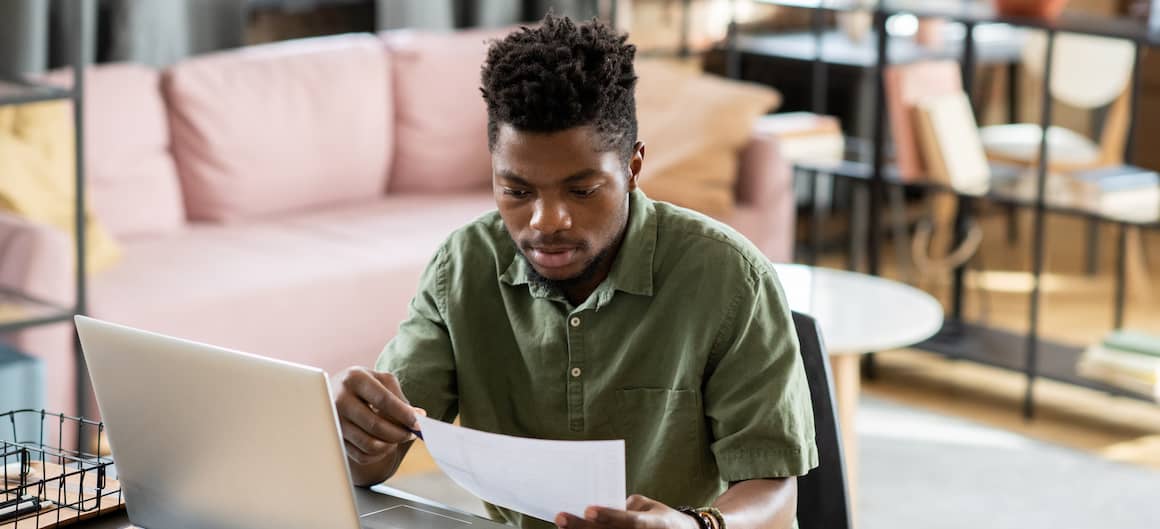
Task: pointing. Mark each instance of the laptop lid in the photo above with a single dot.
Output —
(204, 437)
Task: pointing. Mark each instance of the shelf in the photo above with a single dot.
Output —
(1004, 189)
(824, 5)
(19, 92)
(994, 45)
(983, 12)
(18, 311)
(1008, 350)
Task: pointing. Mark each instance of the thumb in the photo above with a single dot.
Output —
(638, 502)
(391, 382)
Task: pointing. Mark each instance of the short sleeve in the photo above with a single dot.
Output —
(756, 396)
(420, 355)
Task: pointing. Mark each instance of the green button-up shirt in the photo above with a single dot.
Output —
(686, 351)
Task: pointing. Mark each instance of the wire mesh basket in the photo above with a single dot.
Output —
(45, 482)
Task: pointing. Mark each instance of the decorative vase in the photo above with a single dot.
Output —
(1047, 9)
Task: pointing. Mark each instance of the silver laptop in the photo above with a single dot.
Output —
(204, 437)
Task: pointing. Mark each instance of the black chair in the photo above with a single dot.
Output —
(822, 499)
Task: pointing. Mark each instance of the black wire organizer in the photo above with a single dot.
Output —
(47, 484)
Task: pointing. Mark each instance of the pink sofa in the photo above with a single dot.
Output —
(283, 199)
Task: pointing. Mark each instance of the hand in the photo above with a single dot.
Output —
(641, 513)
(374, 416)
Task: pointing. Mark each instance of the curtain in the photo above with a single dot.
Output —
(23, 37)
(161, 33)
(448, 14)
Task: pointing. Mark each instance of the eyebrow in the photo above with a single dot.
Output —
(575, 177)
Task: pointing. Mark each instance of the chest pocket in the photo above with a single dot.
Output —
(665, 436)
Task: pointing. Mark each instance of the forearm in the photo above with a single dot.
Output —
(380, 471)
(760, 504)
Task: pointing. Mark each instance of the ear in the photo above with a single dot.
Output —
(635, 165)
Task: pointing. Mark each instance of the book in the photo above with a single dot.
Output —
(1137, 366)
(905, 86)
(1130, 205)
(1133, 341)
(1110, 376)
(949, 138)
(804, 136)
(1114, 178)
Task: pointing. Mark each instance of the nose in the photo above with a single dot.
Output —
(551, 216)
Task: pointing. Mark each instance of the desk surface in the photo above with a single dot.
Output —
(366, 499)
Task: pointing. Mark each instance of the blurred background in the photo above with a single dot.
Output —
(272, 176)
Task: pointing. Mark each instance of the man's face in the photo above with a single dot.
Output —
(563, 200)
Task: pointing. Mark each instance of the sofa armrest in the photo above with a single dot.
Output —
(765, 188)
(36, 259)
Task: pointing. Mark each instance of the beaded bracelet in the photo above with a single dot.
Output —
(718, 517)
(707, 517)
(702, 522)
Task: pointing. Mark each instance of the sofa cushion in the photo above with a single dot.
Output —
(132, 180)
(326, 289)
(694, 127)
(38, 174)
(440, 116)
(281, 127)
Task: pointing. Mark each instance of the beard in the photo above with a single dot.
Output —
(562, 285)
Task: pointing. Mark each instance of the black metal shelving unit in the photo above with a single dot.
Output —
(1028, 353)
(22, 309)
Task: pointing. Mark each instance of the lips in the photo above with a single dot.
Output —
(548, 257)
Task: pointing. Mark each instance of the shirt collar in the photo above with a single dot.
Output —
(632, 272)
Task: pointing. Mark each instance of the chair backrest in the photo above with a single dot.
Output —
(822, 499)
(1090, 73)
(1087, 71)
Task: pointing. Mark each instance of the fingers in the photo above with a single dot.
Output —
(569, 521)
(357, 412)
(383, 393)
(640, 517)
(373, 414)
(362, 440)
(605, 517)
(358, 456)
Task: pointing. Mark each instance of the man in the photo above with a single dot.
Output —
(582, 310)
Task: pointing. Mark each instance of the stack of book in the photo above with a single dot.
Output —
(1124, 191)
(804, 136)
(1125, 359)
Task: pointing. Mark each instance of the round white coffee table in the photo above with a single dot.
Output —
(857, 314)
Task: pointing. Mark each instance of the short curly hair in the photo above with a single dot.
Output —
(559, 75)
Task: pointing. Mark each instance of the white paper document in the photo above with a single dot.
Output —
(536, 477)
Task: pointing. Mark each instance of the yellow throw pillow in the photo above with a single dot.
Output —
(694, 126)
(37, 174)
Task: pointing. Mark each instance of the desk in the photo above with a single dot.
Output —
(857, 314)
(367, 500)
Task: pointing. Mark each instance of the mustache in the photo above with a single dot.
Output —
(539, 242)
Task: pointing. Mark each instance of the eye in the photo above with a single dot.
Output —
(584, 193)
(515, 193)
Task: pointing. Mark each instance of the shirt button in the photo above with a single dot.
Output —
(575, 321)
(575, 372)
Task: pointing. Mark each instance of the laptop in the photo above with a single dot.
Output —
(205, 437)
